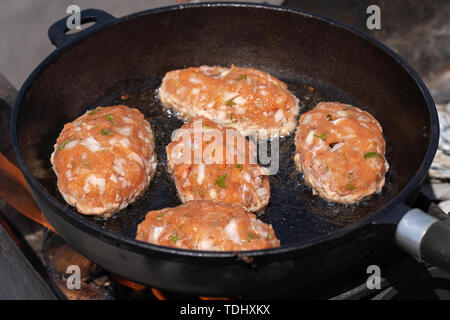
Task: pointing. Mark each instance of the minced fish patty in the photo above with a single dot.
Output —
(105, 159)
(207, 225)
(251, 101)
(202, 171)
(341, 151)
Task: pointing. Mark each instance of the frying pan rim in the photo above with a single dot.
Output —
(76, 220)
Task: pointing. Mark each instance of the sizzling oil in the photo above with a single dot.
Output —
(295, 214)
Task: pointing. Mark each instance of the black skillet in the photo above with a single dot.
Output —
(130, 55)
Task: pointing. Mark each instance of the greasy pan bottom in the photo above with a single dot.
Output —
(295, 214)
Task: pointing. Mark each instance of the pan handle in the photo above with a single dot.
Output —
(58, 31)
(425, 238)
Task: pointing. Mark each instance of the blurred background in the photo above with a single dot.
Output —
(24, 25)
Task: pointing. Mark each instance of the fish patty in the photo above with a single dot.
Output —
(104, 160)
(207, 225)
(210, 162)
(251, 101)
(341, 151)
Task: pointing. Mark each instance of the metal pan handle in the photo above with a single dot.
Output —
(58, 31)
(425, 238)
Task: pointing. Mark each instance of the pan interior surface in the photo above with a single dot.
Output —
(124, 64)
(294, 212)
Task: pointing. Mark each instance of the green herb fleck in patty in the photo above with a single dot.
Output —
(95, 111)
(221, 181)
(252, 236)
(105, 132)
(174, 238)
(372, 154)
(350, 186)
(322, 137)
(230, 103)
(63, 145)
